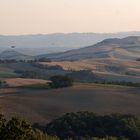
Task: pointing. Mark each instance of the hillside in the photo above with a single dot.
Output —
(53, 43)
(110, 60)
(45, 105)
(14, 55)
(126, 48)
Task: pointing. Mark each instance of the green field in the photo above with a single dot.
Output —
(37, 86)
(5, 75)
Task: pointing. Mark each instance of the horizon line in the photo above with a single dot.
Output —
(35, 34)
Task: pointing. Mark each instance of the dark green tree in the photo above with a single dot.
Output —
(17, 129)
(60, 81)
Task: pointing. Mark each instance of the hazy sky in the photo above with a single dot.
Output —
(50, 16)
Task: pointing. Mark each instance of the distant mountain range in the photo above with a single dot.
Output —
(126, 48)
(53, 43)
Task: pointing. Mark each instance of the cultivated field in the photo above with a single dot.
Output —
(110, 69)
(94, 64)
(18, 82)
(44, 105)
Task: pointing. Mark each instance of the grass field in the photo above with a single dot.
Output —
(94, 64)
(110, 69)
(5, 75)
(44, 105)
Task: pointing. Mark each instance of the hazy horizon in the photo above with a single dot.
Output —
(66, 33)
(68, 16)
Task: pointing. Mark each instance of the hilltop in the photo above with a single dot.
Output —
(14, 55)
(126, 48)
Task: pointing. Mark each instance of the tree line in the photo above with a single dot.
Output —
(73, 126)
(87, 125)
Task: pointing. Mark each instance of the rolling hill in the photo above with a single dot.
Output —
(14, 55)
(111, 59)
(58, 42)
(126, 48)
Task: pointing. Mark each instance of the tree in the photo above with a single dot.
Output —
(60, 81)
(19, 129)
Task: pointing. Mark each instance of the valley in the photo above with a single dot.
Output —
(106, 80)
(69, 70)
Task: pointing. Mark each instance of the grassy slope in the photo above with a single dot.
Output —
(110, 69)
(45, 105)
(5, 75)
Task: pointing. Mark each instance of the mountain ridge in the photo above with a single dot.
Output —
(53, 43)
(125, 48)
(129, 45)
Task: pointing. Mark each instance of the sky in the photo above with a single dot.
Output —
(53, 16)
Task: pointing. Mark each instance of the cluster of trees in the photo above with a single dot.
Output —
(123, 83)
(43, 59)
(138, 59)
(87, 125)
(47, 66)
(9, 61)
(30, 74)
(60, 81)
(83, 76)
(77, 76)
(90, 77)
(131, 73)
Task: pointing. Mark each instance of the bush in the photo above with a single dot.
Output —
(60, 81)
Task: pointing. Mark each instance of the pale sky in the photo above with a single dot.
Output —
(51, 16)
